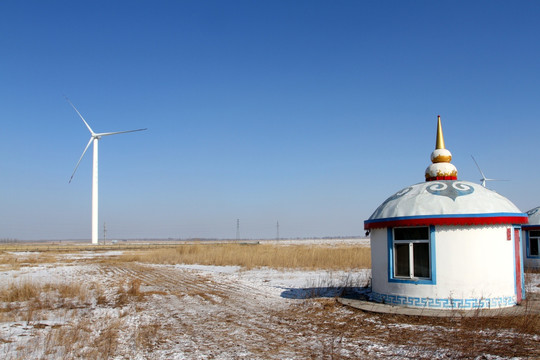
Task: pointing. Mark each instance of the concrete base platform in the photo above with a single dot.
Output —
(528, 307)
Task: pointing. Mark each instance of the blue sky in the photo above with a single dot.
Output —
(310, 113)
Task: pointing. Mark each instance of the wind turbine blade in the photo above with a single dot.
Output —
(483, 176)
(84, 152)
(73, 106)
(119, 132)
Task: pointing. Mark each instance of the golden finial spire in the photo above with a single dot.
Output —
(441, 168)
(440, 138)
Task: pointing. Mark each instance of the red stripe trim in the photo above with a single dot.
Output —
(448, 221)
(441, 178)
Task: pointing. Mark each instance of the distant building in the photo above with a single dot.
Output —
(531, 234)
(446, 243)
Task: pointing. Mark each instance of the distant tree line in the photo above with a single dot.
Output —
(8, 241)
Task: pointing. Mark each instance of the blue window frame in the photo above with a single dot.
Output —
(411, 254)
(533, 243)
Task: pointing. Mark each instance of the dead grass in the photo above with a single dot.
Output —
(74, 341)
(22, 290)
(27, 298)
(122, 298)
(419, 337)
(308, 257)
(135, 288)
(129, 290)
(147, 336)
(9, 261)
(77, 341)
(65, 340)
(72, 290)
(104, 346)
(60, 248)
(473, 336)
(340, 257)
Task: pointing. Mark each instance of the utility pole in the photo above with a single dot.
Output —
(104, 233)
(277, 230)
(237, 229)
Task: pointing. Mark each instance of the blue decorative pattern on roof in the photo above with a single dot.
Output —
(397, 195)
(451, 189)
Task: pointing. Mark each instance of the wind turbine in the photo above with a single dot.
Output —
(484, 178)
(94, 138)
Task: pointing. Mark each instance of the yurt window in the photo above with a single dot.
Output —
(411, 252)
(534, 239)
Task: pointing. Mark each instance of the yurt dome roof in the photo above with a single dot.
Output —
(444, 200)
(534, 217)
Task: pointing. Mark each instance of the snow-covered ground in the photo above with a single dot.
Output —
(121, 310)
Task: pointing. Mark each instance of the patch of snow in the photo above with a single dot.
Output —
(205, 312)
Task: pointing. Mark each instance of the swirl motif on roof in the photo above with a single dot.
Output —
(456, 189)
(397, 195)
(534, 219)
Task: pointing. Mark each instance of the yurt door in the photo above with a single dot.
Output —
(517, 252)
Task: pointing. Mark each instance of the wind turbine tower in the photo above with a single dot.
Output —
(94, 139)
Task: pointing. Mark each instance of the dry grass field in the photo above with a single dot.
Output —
(224, 301)
(256, 255)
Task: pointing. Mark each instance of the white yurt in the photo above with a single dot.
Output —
(446, 243)
(531, 235)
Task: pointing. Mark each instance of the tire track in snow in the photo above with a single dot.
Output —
(214, 312)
